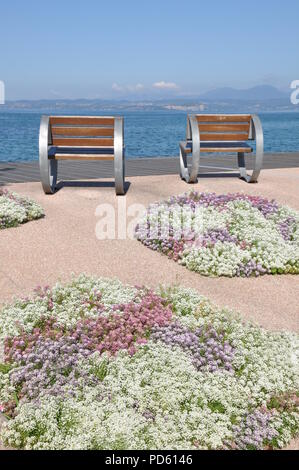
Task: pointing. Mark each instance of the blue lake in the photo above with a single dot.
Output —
(147, 134)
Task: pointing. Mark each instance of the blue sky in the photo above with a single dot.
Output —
(113, 49)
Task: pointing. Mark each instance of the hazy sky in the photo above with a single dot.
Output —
(106, 49)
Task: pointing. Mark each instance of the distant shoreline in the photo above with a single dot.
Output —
(112, 111)
(196, 105)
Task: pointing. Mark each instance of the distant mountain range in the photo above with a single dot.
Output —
(262, 98)
(257, 93)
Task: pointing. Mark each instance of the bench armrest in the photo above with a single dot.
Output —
(256, 133)
(193, 138)
(256, 129)
(48, 168)
(119, 150)
(118, 134)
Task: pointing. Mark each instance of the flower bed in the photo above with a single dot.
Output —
(16, 210)
(99, 365)
(224, 235)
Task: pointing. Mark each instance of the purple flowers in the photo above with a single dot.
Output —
(220, 201)
(223, 235)
(47, 358)
(286, 226)
(50, 367)
(129, 367)
(254, 432)
(211, 237)
(208, 348)
(121, 329)
(251, 268)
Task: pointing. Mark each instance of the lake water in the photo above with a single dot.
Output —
(147, 134)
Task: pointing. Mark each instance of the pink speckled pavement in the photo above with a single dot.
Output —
(65, 242)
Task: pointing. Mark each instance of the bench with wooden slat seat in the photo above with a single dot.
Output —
(80, 138)
(217, 133)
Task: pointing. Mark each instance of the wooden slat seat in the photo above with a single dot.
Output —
(212, 147)
(218, 133)
(81, 153)
(82, 156)
(80, 138)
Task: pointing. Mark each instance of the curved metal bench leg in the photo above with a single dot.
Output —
(48, 168)
(190, 176)
(184, 170)
(256, 171)
(259, 155)
(119, 156)
(242, 167)
(195, 166)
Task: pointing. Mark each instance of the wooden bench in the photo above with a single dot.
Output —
(216, 133)
(80, 138)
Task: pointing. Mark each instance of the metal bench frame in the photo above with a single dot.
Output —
(49, 165)
(193, 138)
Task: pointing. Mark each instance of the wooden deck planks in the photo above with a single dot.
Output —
(20, 172)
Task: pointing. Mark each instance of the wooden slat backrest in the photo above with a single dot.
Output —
(82, 131)
(83, 120)
(224, 127)
(93, 131)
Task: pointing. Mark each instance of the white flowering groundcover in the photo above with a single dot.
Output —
(16, 210)
(99, 365)
(224, 235)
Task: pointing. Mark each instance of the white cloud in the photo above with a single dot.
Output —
(165, 85)
(116, 87)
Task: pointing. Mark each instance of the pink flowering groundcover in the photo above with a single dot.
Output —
(224, 235)
(96, 364)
